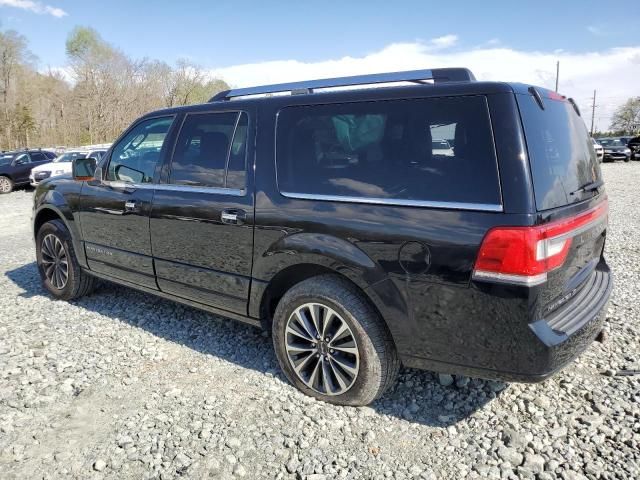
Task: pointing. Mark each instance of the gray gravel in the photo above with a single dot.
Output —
(124, 385)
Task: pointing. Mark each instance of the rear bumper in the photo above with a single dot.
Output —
(539, 351)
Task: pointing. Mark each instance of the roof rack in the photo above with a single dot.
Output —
(437, 75)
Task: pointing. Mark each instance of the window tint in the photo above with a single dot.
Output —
(50, 154)
(438, 149)
(38, 157)
(134, 158)
(23, 159)
(205, 143)
(236, 173)
(561, 155)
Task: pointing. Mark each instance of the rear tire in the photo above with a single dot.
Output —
(6, 184)
(59, 269)
(354, 367)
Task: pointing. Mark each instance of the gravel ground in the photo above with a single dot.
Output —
(124, 385)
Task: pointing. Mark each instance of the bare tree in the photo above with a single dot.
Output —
(107, 91)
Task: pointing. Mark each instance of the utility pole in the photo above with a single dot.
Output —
(557, 73)
(593, 111)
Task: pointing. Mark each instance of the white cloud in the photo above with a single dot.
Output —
(613, 72)
(35, 7)
(444, 41)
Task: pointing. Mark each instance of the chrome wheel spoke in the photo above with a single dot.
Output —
(351, 350)
(302, 363)
(321, 349)
(351, 369)
(297, 348)
(343, 329)
(313, 378)
(327, 381)
(305, 323)
(316, 317)
(343, 381)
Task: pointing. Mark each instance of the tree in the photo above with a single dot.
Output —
(99, 93)
(24, 123)
(627, 117)
(14, 54)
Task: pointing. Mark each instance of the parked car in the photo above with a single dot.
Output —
(634, 146)
(441, 147)
(325, 216)
(615, 149)
(15, 167)
(61, 165)
(598, 149)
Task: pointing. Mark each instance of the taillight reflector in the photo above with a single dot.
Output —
(524, 255)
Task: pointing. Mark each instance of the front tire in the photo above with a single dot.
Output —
(59, 269)
(332, 344)
(6, 184)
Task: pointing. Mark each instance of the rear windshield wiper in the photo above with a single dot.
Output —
(589, 187)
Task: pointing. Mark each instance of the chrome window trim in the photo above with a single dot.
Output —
(187, 188)
(483, 207)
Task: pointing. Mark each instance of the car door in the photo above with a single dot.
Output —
(114, 210)
(202, 215)
(22, 168)
(37, 159)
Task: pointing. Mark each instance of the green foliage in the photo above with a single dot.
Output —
(85, 44)
(107, 92)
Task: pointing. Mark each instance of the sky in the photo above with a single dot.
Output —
(256, 42)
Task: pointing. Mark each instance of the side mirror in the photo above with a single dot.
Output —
(84, 168)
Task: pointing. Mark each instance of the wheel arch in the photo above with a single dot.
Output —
(48, 212)
(273, 291)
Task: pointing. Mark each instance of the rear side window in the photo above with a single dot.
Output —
(207, 145)
(561, 154)
(38, 157)
(434, 150)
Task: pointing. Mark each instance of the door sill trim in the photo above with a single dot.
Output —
(190, 303)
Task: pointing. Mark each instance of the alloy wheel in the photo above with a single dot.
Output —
(5, 185)
(55, 262)
(322, 349)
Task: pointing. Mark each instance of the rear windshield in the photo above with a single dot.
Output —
(561, 154)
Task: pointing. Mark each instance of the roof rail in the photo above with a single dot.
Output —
(437, 75)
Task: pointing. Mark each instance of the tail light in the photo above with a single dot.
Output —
(524, 255)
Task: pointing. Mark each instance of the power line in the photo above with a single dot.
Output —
(593, 111)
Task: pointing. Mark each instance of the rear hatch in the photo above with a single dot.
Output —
(569, 195)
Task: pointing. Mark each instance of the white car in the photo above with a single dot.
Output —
(441, 147)
(599, 150)
(61, 165)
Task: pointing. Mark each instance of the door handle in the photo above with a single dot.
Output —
(233, 216)
(130, 206)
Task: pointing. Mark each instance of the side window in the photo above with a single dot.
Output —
(38, 157)
(134, 158)
(205, 146)
(435, 149)
(23, 159)
(237, 171)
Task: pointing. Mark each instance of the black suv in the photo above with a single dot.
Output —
(15, 167)
(323, 211)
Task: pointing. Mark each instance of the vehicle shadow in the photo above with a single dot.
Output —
(417, 397)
